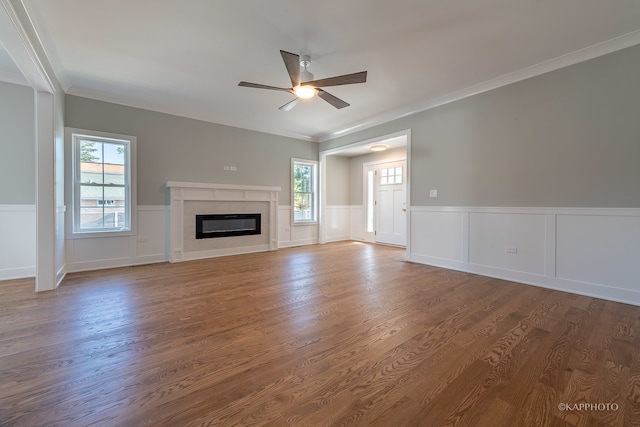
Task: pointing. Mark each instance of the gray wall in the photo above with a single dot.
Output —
(17, 143)
(172, 148)
(568, 138)
(338, 180)
(344, 175)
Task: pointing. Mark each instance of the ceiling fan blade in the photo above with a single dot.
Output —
(289, 105)
(346, 79)
(292, 62)
(259, 86)
(336, 102)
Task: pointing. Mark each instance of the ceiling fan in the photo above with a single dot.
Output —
(303, 84)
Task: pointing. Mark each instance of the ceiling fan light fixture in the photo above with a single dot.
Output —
(378, 147)
(304, 92)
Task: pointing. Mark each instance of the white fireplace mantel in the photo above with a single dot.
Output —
(182, 192)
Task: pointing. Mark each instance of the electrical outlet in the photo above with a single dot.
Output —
(511, 249)
(433, 193)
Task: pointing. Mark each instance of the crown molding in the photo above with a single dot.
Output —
(18, 43)
(581, 55)
(116, 99)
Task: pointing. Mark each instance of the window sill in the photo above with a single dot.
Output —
(100, 234)
(306, 223)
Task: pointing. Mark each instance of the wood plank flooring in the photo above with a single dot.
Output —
(339, 334)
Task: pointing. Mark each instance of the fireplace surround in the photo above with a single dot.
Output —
(189, 199)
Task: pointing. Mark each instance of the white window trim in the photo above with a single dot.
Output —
(313, 163)
(70, 227)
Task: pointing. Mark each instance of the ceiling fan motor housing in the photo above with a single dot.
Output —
(305, 60)
(305, 75)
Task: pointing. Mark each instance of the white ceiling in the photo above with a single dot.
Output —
(9, 71)
(187, 57)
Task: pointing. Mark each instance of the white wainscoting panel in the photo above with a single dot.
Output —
(153, 232)
(437, 235)
(357, 222)
(593, 252)
(337, 223)
(290, 235)
(304, 235)
(491, 233)
(17, 241)
(148, 246)
(599, 249)
(284, 226)
(61, 267)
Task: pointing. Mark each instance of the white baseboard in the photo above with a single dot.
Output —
(75, 267)
(298, 242)
(338, 238)
(215, 253)
(626, 296)
(17, 273)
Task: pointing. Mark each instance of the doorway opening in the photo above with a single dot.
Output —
(369, 224)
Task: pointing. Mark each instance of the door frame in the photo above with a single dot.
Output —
(323, 180)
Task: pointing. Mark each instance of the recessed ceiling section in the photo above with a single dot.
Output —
(366, 148)
(186, 58)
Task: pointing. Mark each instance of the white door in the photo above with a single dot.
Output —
(391, 203)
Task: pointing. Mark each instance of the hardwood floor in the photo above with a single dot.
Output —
(337, 334)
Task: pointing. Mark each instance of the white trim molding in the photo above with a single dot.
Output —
(17, 42)
(587, 251)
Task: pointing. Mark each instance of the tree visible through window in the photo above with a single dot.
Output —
(102, 184)
(304, 191)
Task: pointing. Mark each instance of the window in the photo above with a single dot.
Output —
(391, 176)
(103, 188)
(305, 189)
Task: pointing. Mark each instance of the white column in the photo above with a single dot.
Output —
(45, 192)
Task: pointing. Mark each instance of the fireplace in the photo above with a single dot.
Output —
(189, 199)
(226, 225)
